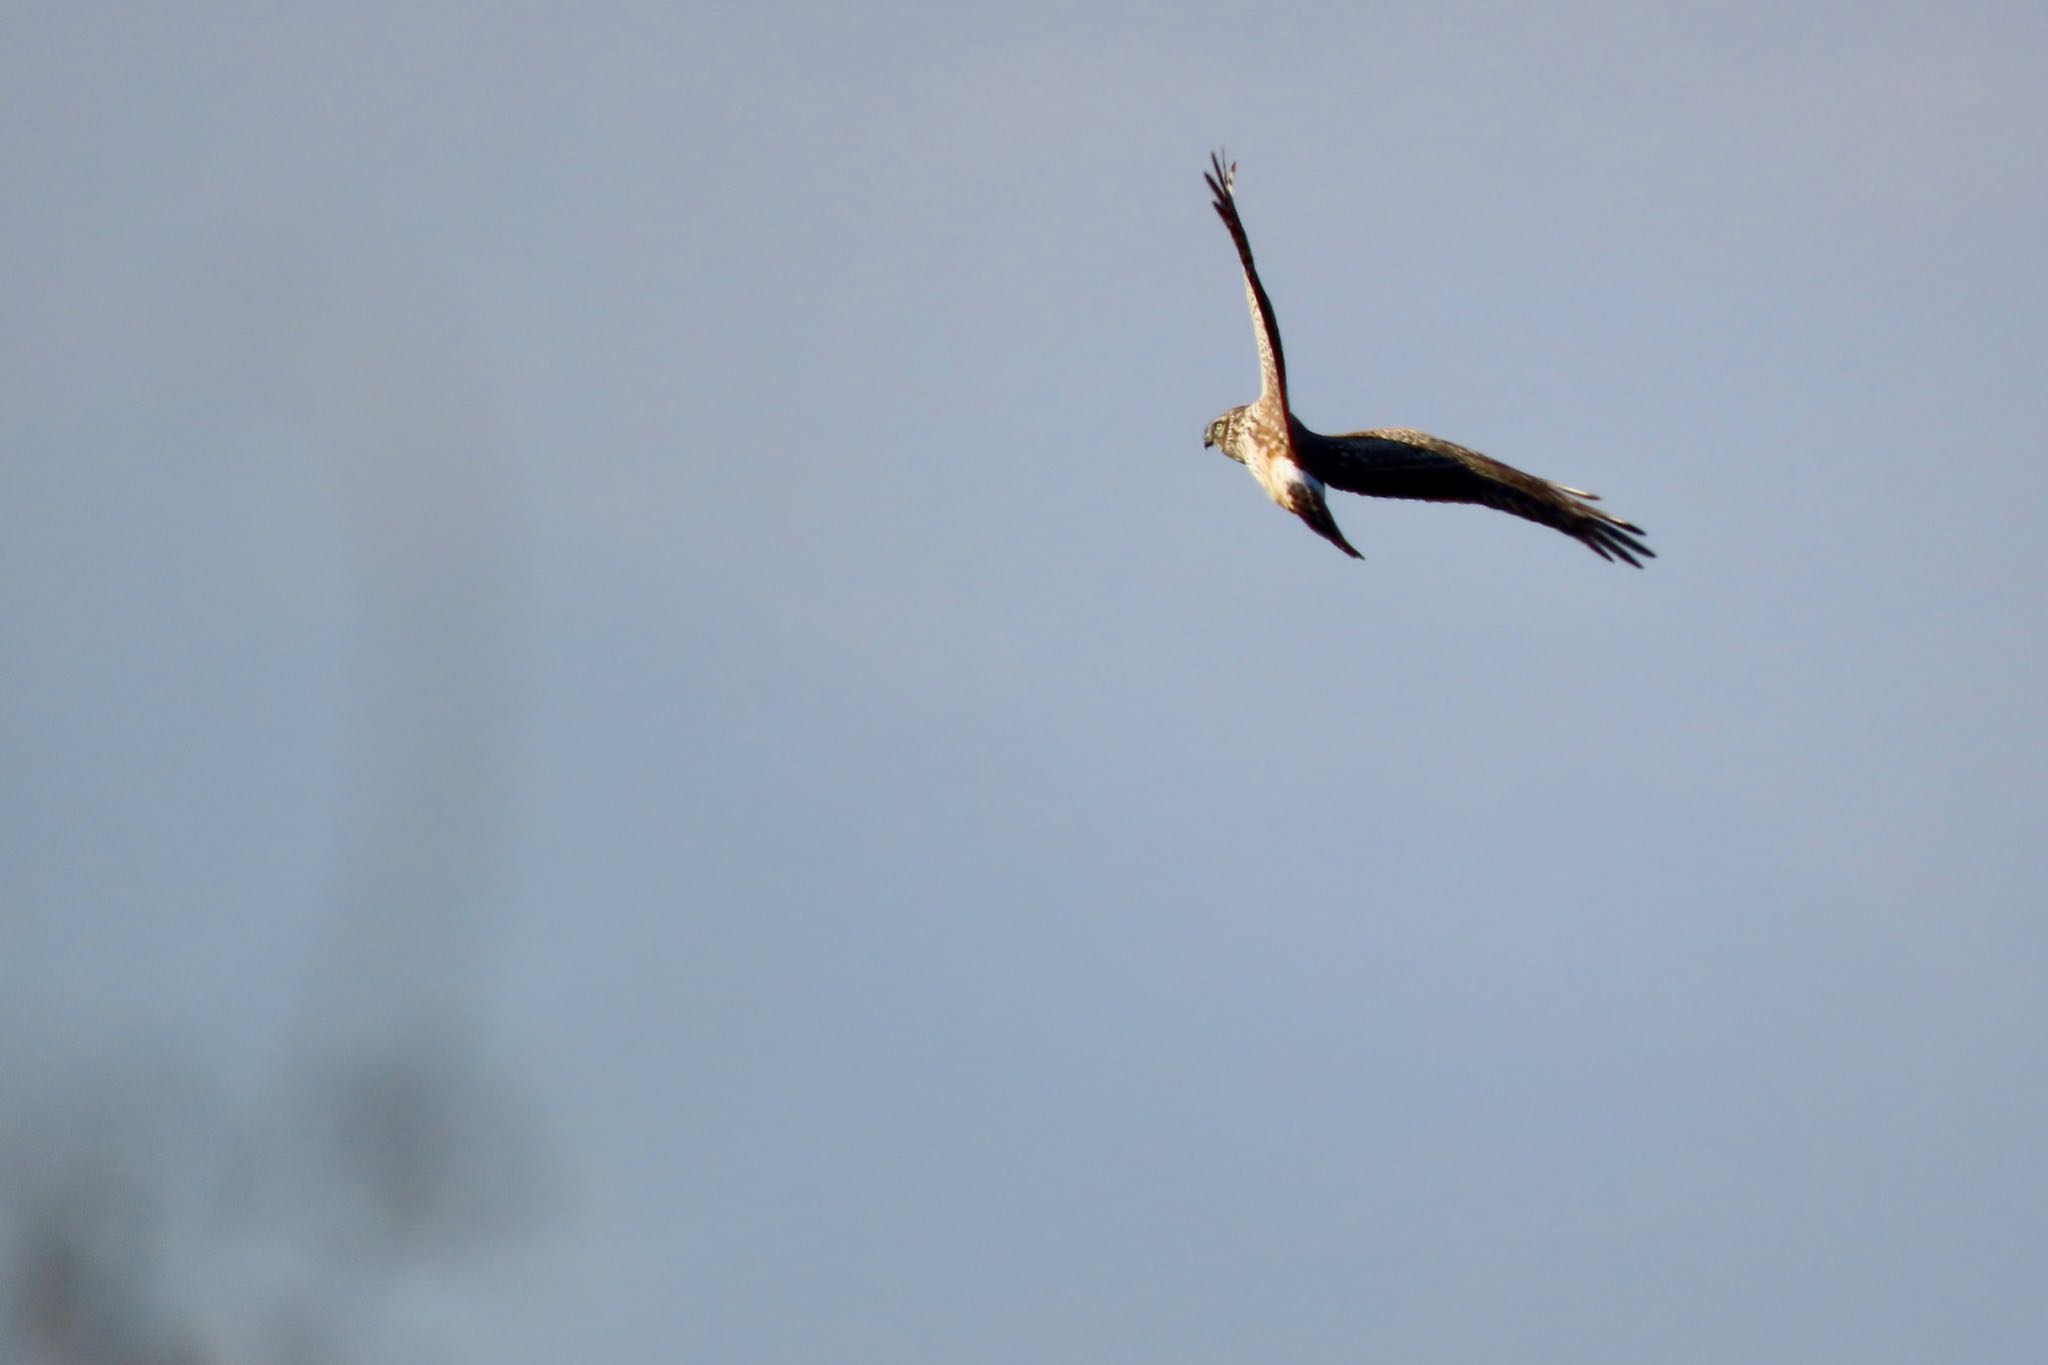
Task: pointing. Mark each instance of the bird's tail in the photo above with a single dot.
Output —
(1308, 504)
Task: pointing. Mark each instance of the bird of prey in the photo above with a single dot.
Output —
(1294, 465)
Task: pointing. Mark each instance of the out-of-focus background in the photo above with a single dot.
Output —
(636, 728)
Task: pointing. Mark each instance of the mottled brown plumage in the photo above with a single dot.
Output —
(1294, 464)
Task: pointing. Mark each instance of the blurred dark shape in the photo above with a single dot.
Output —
(82, 1280)
(83, 1284)
(90, 1200)
(426, 1156)
(144, 1220)
(418, 1143)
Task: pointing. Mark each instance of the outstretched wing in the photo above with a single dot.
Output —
(1399, 463)
(1222, 178)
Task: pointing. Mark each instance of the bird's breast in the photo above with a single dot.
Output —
(1270, 457)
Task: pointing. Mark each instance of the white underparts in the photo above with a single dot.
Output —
(1284, 477)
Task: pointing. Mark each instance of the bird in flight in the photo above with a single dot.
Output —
(1294, 465)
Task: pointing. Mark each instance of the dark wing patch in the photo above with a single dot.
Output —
(1399, 463)
(1222, 178)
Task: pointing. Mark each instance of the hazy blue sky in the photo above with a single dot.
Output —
(655, 565)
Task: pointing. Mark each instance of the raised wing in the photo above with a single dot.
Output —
(1272, 364)
(1399, 463)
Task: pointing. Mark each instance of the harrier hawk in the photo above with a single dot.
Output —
(1294, 464)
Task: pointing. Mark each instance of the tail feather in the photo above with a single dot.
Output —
(1316, 513)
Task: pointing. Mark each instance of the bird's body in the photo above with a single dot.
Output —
(1296, 465)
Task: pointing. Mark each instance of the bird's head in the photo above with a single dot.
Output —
(1225, 432)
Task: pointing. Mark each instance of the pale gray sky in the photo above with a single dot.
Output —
(655, 565)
